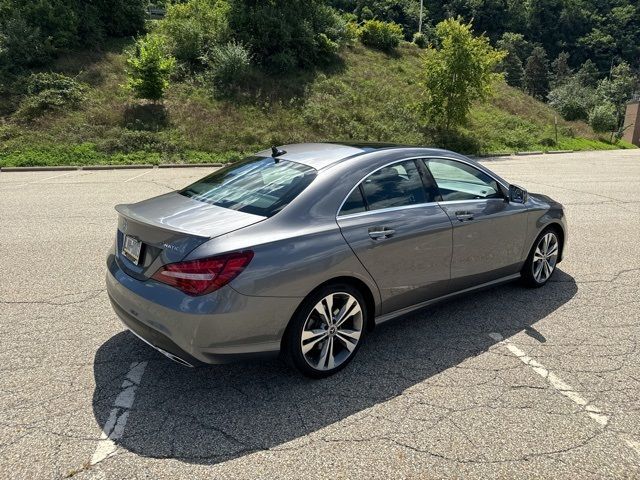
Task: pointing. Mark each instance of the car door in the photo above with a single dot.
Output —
(401, 235)
(488, 230)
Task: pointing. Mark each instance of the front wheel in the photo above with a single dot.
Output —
(542, 260)
(327, 330)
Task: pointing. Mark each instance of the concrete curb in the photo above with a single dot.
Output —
(38, 169)
(560, 151)
(529, 153)
(108, 167)
(189, 165)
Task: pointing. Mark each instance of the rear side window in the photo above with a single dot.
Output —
(354, 203)
(396, 185)
(257, 185)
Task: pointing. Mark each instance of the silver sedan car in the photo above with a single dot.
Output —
(303, 249)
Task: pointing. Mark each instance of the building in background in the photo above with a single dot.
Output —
(632, 122)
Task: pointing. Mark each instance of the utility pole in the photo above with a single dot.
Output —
(420, 23)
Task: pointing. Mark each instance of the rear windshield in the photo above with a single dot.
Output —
(257, 185)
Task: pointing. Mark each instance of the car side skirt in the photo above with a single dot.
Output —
(389, 316)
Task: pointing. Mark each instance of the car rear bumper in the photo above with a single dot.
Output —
(221, 327)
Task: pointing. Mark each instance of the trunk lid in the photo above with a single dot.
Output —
(170, 227)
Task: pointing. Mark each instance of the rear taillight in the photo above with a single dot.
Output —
(199, 277)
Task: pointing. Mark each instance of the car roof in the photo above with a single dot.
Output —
(321, 155)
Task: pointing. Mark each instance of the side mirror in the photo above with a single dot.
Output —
(517, 194)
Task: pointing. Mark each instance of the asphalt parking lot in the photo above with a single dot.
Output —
(507, 383)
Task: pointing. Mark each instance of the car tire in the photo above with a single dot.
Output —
(319, 344)
(542, 259)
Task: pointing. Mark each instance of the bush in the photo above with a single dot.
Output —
(572, 100)
(604, 118)
(381, 35)
(50, 92)
(194, 27)
(149, 68)
(287, 34)
(420, 39)
(34, 32)
(227, 64)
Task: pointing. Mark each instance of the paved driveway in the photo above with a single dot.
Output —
(508, 383)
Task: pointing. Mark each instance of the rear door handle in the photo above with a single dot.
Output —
(464, 216)
(378, 233)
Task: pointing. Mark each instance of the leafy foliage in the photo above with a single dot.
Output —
(50, 92)
(513, 70)
(457, 73)
(35, 31)
(536, 74)
(194, 27)
(618, 88)
(149, 68)
(603, 118)
(381, 35)
(573, 100)
(560, 69)
(420, 39)
(228, 64)
(287, 34)
(405, 13)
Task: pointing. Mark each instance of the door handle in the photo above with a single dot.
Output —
(378, 233)
(464, 216)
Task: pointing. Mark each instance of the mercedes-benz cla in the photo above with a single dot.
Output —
(304, 248)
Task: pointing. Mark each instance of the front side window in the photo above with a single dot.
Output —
(257, 185)
(396, 185)
(459, 181)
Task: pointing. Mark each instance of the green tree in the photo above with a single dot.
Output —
(573, 100)
(588, 75)
(560, 69)
(604, 119)
(149, 68)
(536, 74)
(515, 43)
(458, 73)
(618, 88)
(513, 70)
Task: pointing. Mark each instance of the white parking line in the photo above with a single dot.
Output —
(114, 427)
(41, 179)
(137, 176)
(50, 178)
(556, 382)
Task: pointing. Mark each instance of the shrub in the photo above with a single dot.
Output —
(572, 100)
(381, 35)
(50, 92)
(288, 33)
(149, 68)
(420, 39)
(194, 27)
(227, 64)
(603, 118)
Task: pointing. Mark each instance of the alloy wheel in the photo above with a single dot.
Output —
(545, 257)
(332, 331)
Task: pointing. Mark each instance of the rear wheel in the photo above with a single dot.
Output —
(327, 330)
(542, 259)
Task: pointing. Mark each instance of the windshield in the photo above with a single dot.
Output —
(257, 185)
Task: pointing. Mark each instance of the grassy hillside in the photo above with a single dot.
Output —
(367, 96)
